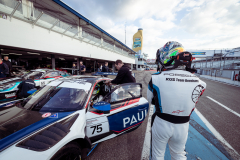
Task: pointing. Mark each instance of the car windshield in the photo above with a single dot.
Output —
(36, 74)
(62, 97)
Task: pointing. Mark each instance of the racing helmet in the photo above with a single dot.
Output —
(172, 56)
(182, 60)
(170, 49)
(97, 89)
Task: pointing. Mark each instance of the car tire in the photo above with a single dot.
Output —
(70, 151)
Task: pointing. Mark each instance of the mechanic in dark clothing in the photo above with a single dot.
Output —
(83, 68)
(124, 75)
(25, 86)
(3, 69)
(9, 64)
(105, 68)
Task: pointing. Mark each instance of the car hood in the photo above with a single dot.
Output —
(17, 122)
(7, 81)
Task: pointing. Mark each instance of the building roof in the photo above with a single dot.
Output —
(64, 5)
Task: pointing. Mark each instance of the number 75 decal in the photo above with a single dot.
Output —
(98, 127)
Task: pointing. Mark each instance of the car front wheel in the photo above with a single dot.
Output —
(71, 151)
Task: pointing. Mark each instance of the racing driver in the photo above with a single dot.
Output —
(174, 91)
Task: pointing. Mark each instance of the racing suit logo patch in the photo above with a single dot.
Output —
(197, 92)
(170, 79)
(178, 111)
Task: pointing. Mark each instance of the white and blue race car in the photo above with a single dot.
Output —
(9, 86)
(67, 117)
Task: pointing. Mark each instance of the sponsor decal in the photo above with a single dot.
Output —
(137, 44)
(100, 103)
(3, 16)
(198, 90)
(170, 79)
(185, 54)
(182, 80)
(8, 105)
(91, 121)
(191, 80)
(137, 39)
(42, 83)
(124, 104)
(178, 111)
(198, 53)
(10, 95)
(137, 56)
(46, 115)
(133, 119)
(179, 80)
(54, 116)
(180, 75)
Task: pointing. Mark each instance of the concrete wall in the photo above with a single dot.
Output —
(20, 34)
(226, 74)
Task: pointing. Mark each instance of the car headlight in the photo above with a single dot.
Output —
(4, 87)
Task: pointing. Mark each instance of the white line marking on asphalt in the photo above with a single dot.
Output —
(147, 140)
(214, 131)
(237, 114)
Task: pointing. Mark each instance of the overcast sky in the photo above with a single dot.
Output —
(196, 24)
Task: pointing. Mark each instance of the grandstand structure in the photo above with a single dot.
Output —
(225, 64)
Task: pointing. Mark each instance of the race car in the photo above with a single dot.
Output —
(8, 86)
(67, 117)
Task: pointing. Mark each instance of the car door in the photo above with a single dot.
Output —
(38, 79)
(97, 126)
(128, 108)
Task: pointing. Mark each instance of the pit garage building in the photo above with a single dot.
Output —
(49, 33)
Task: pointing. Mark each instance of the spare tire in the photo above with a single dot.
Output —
(70, 151)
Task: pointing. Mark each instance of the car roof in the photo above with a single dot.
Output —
(90, 79)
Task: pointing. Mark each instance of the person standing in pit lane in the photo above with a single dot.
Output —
(124, 75)
(74, 72)
(4, 70)
(174, 91)
(105, 68)
(9, 64)
(25, 86)
(83, 68)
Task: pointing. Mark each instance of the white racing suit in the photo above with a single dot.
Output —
(174, 94)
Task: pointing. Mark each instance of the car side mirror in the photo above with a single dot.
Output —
(46, 77)
(102, 106)
(32, 91)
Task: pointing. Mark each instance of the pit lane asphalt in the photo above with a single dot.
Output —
(129, 146)
(225, 122)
